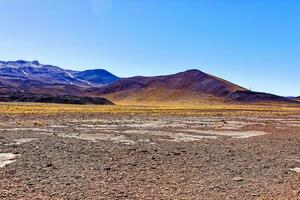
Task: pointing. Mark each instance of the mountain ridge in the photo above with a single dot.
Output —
(95, 76)
(33, 70)
(189, 87)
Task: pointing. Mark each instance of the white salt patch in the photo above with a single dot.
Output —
(233, 134)
(27, 129)
(23, 140)
(296, 169)
(57, 126)
(95, 137)
(143, 140)
(6, 158)
(179, 137)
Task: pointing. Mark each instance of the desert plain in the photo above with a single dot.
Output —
(52, 151)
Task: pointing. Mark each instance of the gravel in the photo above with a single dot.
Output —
(129, 163)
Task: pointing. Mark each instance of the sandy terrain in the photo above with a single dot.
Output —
(221, 155)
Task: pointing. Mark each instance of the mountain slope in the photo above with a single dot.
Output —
(252, 97)
(297, 99)
(33, 77)
(189, 87)
(48, 74)
(96, 76)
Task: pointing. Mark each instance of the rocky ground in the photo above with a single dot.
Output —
(142, 156)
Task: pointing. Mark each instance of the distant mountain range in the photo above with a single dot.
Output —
(189, 87)
(48, 74)
(33, 77)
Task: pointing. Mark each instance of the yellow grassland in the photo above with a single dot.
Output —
(205, 109)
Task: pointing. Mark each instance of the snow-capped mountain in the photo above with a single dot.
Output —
(25, 70)
(95, 76)
(37, 72)
(31, 76)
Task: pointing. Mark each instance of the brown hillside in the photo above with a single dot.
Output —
(192, 86)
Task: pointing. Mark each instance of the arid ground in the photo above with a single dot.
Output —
(50, 151)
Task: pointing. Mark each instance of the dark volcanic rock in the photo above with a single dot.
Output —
(48, 98)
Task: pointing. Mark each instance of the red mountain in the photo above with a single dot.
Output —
(190, 87)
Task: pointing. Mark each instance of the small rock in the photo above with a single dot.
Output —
(237, 179)
(49, 165)
(143, 151)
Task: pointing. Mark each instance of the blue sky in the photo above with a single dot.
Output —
(254, 43)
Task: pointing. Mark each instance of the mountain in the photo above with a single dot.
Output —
(189, 87)
(96, 76)
(34, 71)
(33, 77)
(249, 97)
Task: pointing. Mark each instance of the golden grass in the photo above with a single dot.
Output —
(205, 109)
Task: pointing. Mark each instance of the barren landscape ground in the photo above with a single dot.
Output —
(50, 151)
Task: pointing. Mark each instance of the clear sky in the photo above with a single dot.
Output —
(254, 43)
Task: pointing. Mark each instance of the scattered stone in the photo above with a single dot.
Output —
(237, 179)
(107, 168)
(173, 157)
(49, 165)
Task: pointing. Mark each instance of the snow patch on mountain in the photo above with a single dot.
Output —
(49, 74)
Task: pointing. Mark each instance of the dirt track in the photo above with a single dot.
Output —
(102, 156)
